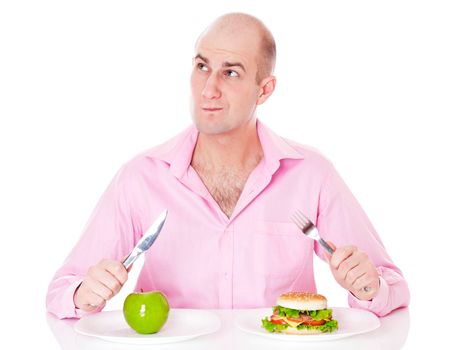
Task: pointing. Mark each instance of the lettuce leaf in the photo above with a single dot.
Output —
(329, 326)
(273, 327)
(325, 314)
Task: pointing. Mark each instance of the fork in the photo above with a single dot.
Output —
(309, 229)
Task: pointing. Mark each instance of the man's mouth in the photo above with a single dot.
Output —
(212, 109)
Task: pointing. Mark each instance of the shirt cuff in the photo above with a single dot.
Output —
(377, 304)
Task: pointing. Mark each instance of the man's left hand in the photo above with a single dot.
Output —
(353, 270)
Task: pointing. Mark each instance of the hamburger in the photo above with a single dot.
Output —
(300, 313)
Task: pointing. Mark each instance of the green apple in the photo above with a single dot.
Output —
(146, 312)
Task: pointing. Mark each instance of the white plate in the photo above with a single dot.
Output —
(350, 322)
(182, 324)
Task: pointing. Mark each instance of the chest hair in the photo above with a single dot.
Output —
(225, 186)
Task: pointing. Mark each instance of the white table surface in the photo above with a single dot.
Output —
(391, 335)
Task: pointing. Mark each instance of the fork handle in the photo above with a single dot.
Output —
(326, 246)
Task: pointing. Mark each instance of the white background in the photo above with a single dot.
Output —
(86, 85)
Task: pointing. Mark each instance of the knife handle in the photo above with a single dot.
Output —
(130, 259)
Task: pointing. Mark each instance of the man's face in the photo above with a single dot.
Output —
(223, 81)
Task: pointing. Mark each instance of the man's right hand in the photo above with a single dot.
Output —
(102, 282)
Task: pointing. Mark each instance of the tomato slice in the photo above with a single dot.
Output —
(277, 321)
(306, 320)
(315, 323)
(302, 319)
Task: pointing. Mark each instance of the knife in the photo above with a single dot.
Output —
(146, 241)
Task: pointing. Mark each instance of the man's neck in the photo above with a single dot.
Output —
(239, 149)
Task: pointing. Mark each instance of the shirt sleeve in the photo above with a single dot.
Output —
(109, 234)
(341, 219)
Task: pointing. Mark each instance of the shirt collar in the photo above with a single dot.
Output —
(178, 151)
(275, 148)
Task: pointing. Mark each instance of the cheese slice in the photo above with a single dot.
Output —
(289, 322)
(292, 323)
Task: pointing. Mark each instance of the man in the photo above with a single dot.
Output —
(230, 186)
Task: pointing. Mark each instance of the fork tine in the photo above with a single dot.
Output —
(301, 221)
(295, 221)
(292, 217)
(302, 224)
(298, 221)
(303, 217)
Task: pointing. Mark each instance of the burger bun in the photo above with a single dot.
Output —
(302, 301)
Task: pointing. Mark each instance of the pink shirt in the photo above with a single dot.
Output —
(202, 259)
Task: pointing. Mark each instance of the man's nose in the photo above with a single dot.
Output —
(211, 89)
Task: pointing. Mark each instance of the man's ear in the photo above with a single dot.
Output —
(267, 86)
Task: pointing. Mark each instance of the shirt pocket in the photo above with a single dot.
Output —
(280, 249)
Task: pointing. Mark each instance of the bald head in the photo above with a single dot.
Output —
(241, 24)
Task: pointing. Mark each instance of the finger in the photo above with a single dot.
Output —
(101, 289)
(109, 280)
(349, 262)
(90, 300)
(116, 269)
(94, 305)
(355, 273)
(84, 298)
(340, 255)
(366, 280)
(89, 307)
(361, 282)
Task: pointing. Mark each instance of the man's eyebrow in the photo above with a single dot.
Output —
(204, 59)
(234, 64)
(225, 64)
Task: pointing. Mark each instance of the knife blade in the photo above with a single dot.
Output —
(147, 240)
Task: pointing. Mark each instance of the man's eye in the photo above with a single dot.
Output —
(231, 73)
(202, 67)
